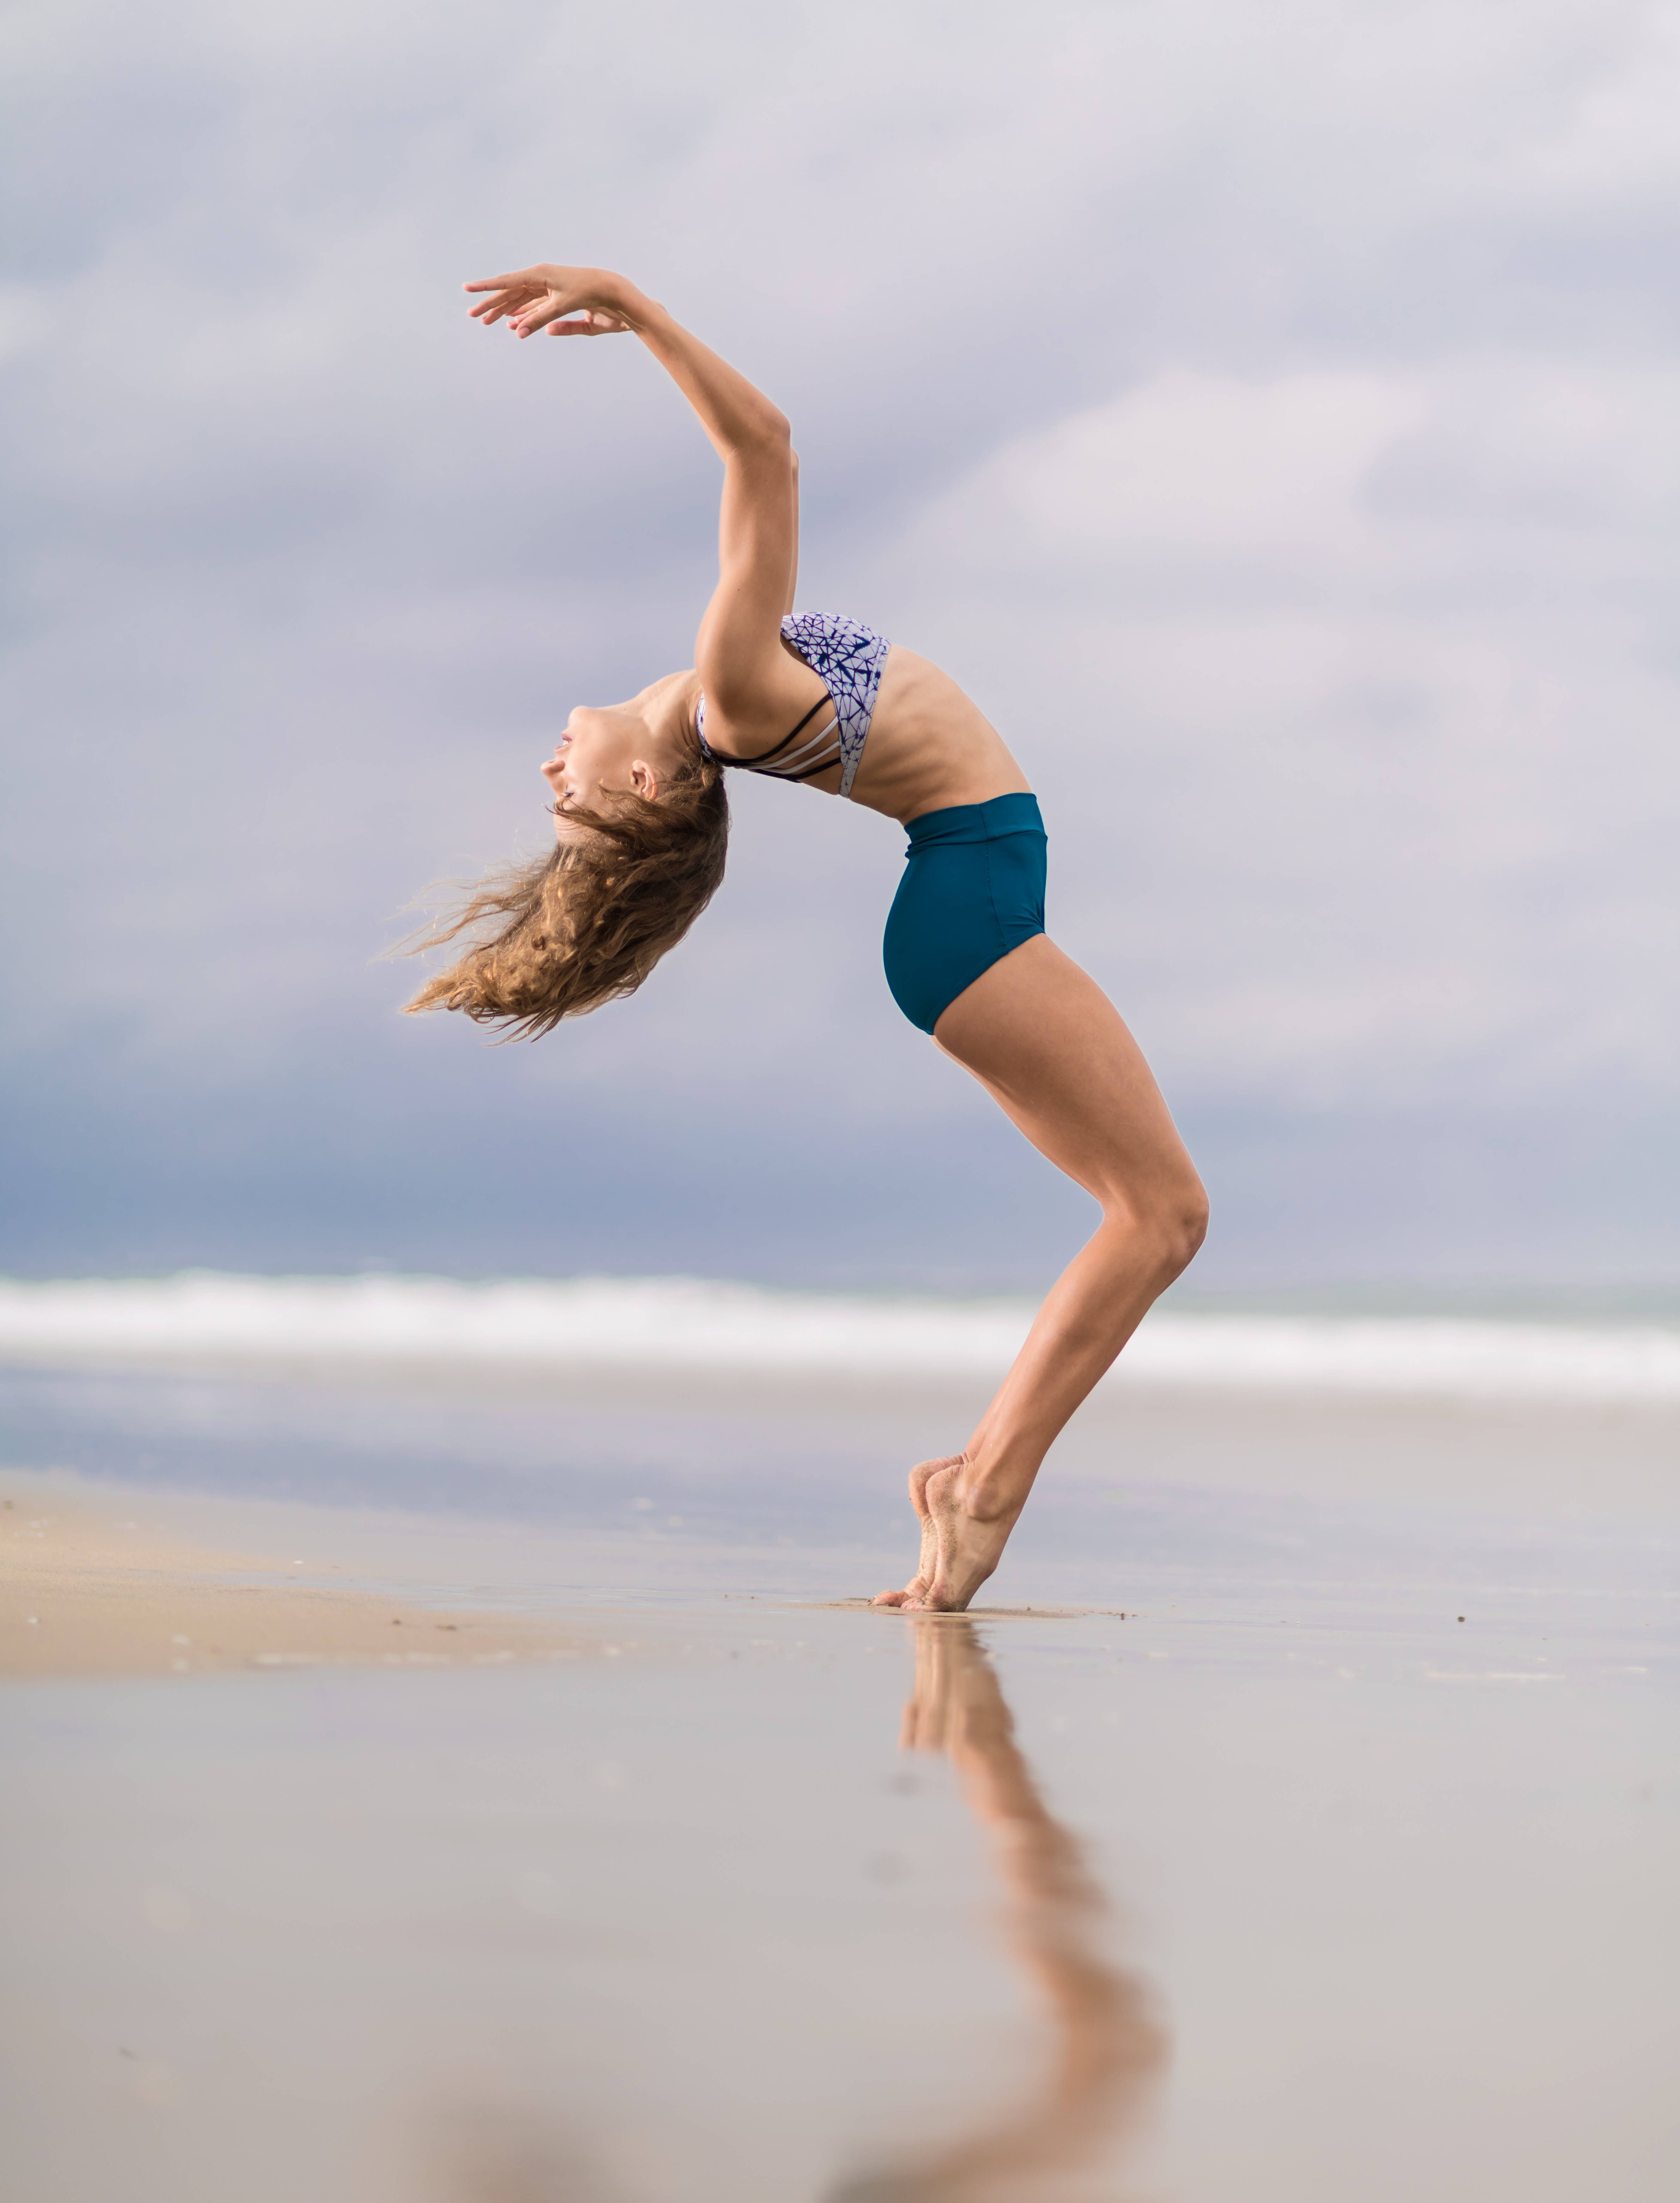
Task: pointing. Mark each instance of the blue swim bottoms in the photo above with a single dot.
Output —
(973, 889)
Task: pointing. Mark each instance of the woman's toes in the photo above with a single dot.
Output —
(920, 1476)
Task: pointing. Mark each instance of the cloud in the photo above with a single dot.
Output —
(1359, 703)
(1270, 413)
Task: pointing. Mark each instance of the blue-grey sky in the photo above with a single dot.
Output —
(1272, 414)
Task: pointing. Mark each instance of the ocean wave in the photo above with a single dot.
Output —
(679, 1324)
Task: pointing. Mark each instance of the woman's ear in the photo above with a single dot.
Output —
(645, 781)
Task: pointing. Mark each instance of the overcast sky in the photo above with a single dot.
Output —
(1272, 414)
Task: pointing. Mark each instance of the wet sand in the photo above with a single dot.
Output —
(88, 1587)
(1261, 1841)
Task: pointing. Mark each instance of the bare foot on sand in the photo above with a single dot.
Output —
(967, 1545)
(916, 1588)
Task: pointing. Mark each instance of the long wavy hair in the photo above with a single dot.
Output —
(560, 935)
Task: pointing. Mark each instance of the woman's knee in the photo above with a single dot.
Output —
(1189, 1227)
(1171, 1221)
(1180, 1227)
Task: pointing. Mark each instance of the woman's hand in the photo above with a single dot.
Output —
(755, 687)
(568, 302)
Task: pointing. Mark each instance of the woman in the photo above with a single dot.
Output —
(641, 823)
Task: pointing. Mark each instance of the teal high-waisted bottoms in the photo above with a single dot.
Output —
(973, 889)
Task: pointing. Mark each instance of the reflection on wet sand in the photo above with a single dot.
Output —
(512, 2155)
(1108, 2049)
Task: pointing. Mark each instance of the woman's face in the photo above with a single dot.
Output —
(617, 749)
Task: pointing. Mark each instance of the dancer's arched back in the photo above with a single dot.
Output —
(640, 826)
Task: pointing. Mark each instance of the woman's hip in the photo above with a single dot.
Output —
(973, 889)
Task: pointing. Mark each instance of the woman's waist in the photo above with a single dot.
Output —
(907, 786)
(930, 747)
(1016, 812)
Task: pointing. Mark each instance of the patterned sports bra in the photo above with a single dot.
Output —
(847, 657)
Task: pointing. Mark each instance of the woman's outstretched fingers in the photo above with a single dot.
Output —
(507, 294)
(518, 279)
(573, 302)
(527, 300)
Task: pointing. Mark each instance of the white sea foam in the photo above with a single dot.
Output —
(685, 1324)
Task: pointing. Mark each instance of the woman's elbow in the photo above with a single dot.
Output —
(771, 434)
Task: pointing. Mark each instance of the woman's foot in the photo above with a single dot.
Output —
(919, 1583)
(967, 1546)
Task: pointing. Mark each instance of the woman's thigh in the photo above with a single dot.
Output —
(1052, 1049)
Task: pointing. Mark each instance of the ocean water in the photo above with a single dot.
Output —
(690, 1324)
(734, 1434)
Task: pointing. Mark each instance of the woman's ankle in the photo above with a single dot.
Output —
(993, 1490)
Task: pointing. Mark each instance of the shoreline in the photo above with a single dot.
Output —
(90, 1587)
(1563, 1456)
(556, 1529)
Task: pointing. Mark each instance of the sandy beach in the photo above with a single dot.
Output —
(447, 1792)
(89, 1588)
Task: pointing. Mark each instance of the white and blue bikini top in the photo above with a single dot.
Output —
(847, 657)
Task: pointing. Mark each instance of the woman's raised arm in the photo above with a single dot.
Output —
(750, 681)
